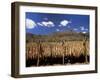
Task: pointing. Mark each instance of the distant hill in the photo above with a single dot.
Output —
(58, 36)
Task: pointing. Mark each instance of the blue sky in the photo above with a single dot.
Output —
(47, 23)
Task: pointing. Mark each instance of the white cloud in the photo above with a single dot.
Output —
(45, 23)
(82, 28)
(84, 32)
(64, 23)
(40, 24)
(48, 23)
(30, 24)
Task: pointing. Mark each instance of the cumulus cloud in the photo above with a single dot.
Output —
(40, 24)
(82, 28)
(46, 24)
(30, 24)
(64, 23)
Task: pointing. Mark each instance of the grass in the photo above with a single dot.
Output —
(41, 52)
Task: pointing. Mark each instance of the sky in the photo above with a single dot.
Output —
(48, 23)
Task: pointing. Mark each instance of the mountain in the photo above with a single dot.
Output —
(58, 36)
